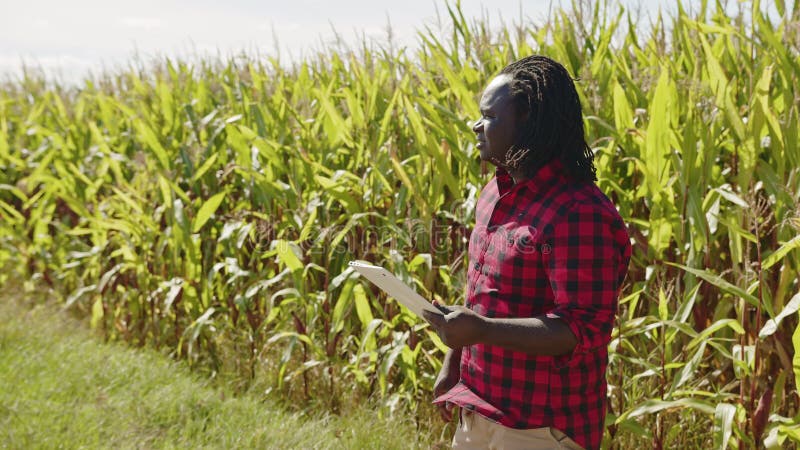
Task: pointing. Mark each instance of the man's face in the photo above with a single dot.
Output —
(496, 130)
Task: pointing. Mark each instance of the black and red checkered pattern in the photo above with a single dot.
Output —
(544, 247)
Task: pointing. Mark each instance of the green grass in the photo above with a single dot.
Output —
(60, 387)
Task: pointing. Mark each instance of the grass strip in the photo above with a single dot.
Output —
(60, 387)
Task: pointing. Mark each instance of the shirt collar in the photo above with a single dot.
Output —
(547, 174)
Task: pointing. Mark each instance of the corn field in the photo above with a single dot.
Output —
(209, 209)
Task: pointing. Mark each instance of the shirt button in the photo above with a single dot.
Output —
(477, 266)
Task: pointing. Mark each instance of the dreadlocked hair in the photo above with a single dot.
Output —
(544, 90)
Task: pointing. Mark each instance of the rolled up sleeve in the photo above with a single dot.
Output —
(586, 265)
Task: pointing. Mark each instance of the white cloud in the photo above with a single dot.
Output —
(143, 23)
(91, 34)
(279, 26)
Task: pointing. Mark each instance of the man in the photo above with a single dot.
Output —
(547, 258)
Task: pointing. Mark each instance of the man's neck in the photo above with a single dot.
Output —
(518, 176)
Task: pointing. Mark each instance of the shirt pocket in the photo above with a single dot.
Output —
(520, 276)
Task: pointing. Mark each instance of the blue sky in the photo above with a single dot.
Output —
(69, 38)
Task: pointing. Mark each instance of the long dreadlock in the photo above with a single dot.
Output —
(544, 90)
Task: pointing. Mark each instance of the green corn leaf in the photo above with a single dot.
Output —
(97, 312)
(389, 362)
(781, 252)
(724, 414)
(15, 191)
(78, 294)
(289, 255)
(206, 211)
(343, 304)
(720, 282)
(772, 324)
(208, 164)
(151, 142)
(732, 197)
(689, 369)
(796, 356)
(663, 306)
(713, 328)
(653, 406)
(11, 212)
(362, 305)
(623, 117)
(290, 335)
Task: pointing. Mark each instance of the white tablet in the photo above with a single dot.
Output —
(396, 288)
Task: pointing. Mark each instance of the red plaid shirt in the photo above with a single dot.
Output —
(544, 247)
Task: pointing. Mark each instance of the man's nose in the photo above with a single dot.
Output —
(477, 126)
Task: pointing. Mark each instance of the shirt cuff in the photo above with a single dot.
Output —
(571, 358)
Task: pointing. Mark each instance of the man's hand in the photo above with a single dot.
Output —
(460, 327)
(448, 377)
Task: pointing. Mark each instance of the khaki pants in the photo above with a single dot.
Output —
(477, 432)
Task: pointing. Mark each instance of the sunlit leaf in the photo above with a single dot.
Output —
(723, 425)
(771, 326)
(205, 211)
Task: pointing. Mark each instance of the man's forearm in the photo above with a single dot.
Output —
(535, 335)
(452, 361)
